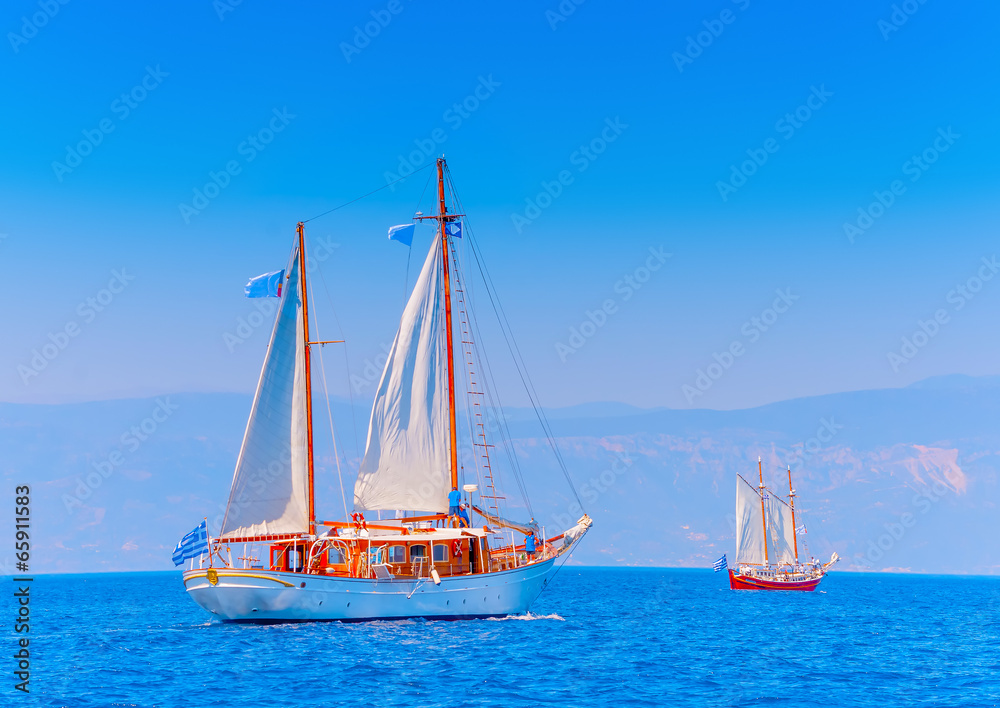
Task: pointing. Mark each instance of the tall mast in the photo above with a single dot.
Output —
(442, 220)
(763, 513)
(791, 503)
(308, 377)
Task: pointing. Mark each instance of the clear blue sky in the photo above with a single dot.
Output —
(879, 97)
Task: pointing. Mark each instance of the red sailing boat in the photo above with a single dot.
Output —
(767, 551)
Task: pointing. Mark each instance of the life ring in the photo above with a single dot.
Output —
(456, 548)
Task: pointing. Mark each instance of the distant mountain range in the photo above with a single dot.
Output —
(894, 480)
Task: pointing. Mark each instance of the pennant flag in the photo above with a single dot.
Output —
(801, 529)
(402, 233)
(453, 228)
(720, 564)
(192, 545)
(267, 285)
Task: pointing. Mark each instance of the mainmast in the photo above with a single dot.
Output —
(763, 512)
(442, 221)
(791, 503)
(308, 377)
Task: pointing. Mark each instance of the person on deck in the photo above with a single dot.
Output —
(463, 517)
(454, 499)
(529, 545)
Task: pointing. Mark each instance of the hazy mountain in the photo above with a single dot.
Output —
(891, 479)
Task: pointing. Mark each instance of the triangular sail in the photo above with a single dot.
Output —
(270, 487)
(780, 530)
(749, 524)
(407, 459)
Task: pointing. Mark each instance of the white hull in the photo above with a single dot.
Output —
(269, 596)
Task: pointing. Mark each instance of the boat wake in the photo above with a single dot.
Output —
(526, 617)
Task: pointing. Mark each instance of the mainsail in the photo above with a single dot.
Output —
(780, 530)
(269, 494)
(406, 463)
(749, 524)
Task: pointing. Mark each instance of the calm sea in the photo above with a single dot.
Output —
(597, 637)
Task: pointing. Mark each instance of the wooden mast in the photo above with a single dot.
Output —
(763, 512)
(442, 221)
(791, 503)
(308, 377)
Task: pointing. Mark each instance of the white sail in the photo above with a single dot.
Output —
(270, 487)
(407, 457)
(749, 525)
(780, 530)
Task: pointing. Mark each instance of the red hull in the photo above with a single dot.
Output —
(745, 582)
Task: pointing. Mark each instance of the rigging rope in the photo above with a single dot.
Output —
(489, 384)
(329, 412)
(512, 346)
(387, 184)
(347, 366)
(487, 376)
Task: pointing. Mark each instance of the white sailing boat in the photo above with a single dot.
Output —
(431, 563)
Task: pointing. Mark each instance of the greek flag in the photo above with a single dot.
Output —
(192, 545)
(720, 564)
(453, 228)
(801, 529)
(267, 285)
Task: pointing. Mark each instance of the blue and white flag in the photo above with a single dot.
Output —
(402, 233)
(267, 285)
(453, 228)
(720, 564)
(192, 545)
(801, 529)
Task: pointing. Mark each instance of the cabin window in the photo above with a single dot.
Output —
(440, 553)
(276, 557)
(397, 554)
(335, 556)
(294, 560)
(418, 551)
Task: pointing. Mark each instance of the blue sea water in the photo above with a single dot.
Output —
(597, 637)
